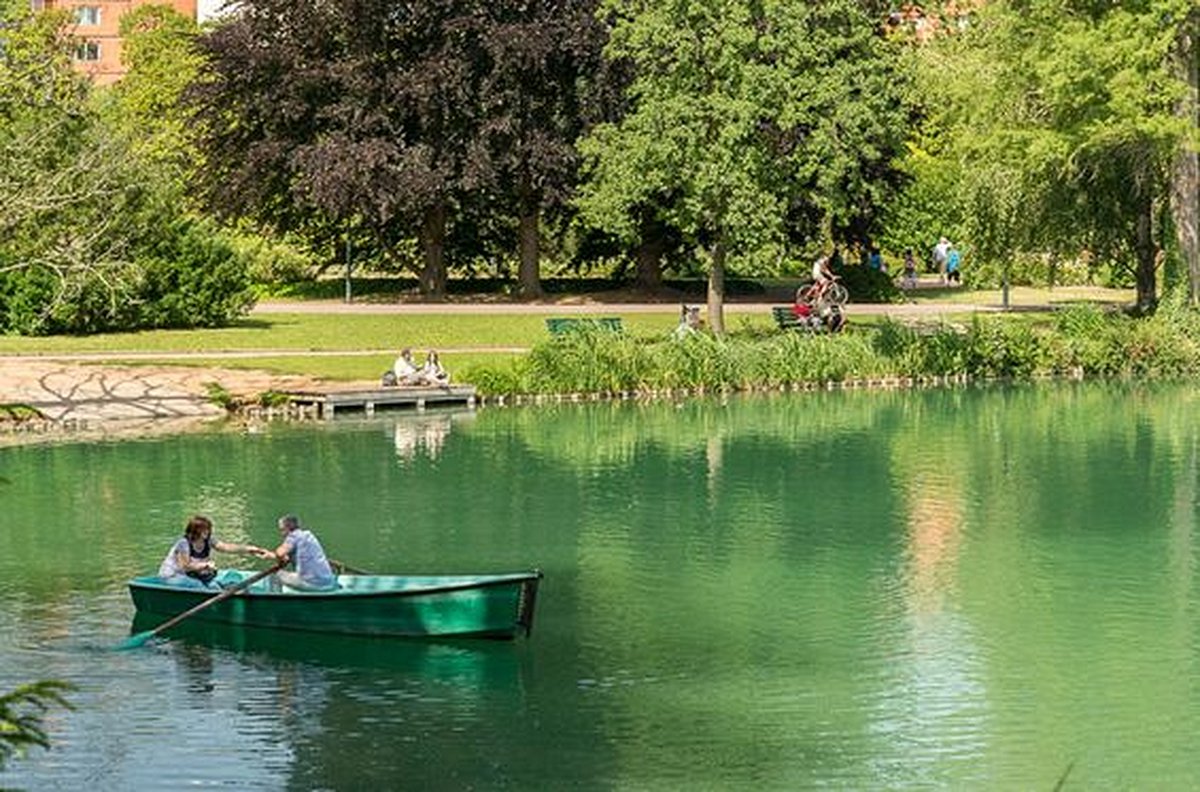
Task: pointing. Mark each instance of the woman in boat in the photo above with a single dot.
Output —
(190, 561)
(302, 547)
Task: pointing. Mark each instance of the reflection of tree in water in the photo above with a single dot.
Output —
(426, 432)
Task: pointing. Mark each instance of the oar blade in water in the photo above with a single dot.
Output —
(134, 641)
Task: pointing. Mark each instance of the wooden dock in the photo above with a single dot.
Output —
(369, 400)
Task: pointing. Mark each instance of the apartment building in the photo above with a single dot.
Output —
(97, 24)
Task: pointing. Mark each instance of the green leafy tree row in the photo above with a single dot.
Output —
(744, 128)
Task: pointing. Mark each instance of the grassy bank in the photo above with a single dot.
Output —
(1082, 341)
(493, 349)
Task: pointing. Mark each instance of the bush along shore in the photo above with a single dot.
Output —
(1077, 342)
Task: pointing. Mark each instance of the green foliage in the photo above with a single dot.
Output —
(94, 233)
(747, 122)
(273, 398)
(1081, 341)
(159, 50)
(219, 395)
(498, 380)
(272, 262)
(868, 285)
(1056, 125)
(18, 413)
(1000, 348)
(186, 275)
(192, 277)
(21, 714)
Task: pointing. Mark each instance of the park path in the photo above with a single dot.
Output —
(85, 388)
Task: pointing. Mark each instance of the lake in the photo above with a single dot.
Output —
(973, 588)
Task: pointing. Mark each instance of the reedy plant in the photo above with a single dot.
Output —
(1080, 341)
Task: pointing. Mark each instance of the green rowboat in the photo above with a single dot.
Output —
(478, 606)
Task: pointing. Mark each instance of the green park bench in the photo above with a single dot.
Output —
(560, 325)
(786, 318)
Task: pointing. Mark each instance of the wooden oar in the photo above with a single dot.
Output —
(343, 568)
(134, 641)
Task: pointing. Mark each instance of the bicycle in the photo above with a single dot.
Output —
(829, 290)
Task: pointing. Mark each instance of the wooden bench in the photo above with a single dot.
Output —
(560, 325)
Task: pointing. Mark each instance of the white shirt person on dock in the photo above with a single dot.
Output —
(404, 371)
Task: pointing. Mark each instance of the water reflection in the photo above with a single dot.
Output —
(466, 663)
(424, 433)
(934, 695)
(948, 589)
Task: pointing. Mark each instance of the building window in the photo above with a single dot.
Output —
(87, 15)
(88, 51)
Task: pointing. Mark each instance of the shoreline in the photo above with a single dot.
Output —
(76, 394)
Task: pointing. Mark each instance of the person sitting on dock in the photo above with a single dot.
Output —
(404, 371)
(432, 372)
(301, 547)
(190, 562)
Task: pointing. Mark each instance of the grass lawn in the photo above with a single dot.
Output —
(370, 342)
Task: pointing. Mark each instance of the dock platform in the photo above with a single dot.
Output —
(369, 400)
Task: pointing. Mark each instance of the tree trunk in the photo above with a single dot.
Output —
(648, 256)
(433, 249)
(649, 252)
(1185, 175)
(1147, 297)
(529, 273)
(716, 287)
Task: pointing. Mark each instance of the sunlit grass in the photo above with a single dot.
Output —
(339, 368)
(384, 332)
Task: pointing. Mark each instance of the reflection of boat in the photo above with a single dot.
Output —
(467, 662)
(482, 606)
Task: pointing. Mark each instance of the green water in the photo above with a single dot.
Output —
(961, 589)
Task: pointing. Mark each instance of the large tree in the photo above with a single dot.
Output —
(750, 114)
(92, 236)
(394, 116)
(545, 81)
(1066, 121)
(354, 114)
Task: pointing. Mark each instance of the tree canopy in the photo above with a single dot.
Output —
(1060, 120)
(748, 122)
(392, 116)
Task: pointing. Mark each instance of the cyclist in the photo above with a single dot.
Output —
(821, 273)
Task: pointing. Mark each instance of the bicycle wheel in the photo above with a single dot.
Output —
(837, 294)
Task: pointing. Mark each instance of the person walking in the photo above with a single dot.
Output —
(941, 253)
(953, 262)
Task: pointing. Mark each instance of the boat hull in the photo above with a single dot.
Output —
(484, 606)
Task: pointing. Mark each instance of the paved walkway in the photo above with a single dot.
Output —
(69, 392)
